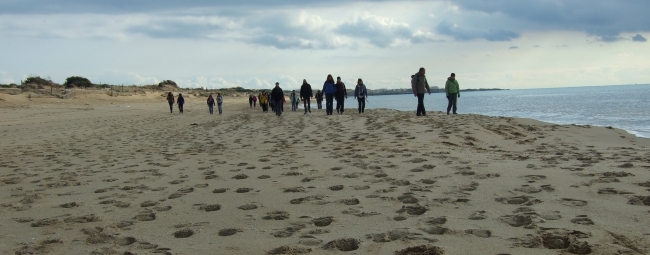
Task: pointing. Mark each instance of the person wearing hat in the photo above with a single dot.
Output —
(453, 92)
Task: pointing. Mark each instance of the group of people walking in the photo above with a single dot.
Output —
(181, 101)
(331, 91)
(420, 85)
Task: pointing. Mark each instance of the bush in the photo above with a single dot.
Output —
(76, 81)
(167, 82)
(37, 80)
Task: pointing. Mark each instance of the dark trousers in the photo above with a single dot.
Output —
(278, 109)
(420, 110)
(211, 108)
(180, 107)
(452, 98)
(250, 102)
(264, 107)
(340, 103)
(171, 107)
(306, 104)
(319, 103)
(329, 103)
(362, 104)
(254, 104)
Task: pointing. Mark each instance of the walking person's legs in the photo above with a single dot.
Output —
(278, 110)
(211, 108)
(220, 109)
(420, 111)
(180, 107)
(342, 104)
(171, 107)
(329, 101)
(455, 100)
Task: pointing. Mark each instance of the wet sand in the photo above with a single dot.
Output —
(105, 175)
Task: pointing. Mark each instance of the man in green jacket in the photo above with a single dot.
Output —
(453, 92)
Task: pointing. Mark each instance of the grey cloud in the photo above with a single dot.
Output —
(169, 29)
(379, 31)
(141, 6)
(639, 38)
(464, 34)
(514, 47)
(605, 19)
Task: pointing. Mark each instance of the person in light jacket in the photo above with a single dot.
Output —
(361, 93)
(219, 102)
(452, 90)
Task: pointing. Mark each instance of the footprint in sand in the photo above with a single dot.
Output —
(421, 249)
(343, 244)
(573, 202)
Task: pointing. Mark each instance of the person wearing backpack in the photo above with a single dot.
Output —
(319, 99)
(170, 100)
(211, 104)
(180, 101)
(264, 102)
(453, 92)
(360, 93)
(306, 95)
(341, 94)
(219, 102)
(419, 84)
(329, 88)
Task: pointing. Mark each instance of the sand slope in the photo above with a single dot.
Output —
(124, 176)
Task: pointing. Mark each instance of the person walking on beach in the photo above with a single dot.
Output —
(211, 104)
(306, 94)
(219, 102)
(360, 93)
(180, 101)
(264, 101)
(294, 101)
(341, 94)
(419, 84)
(319, 99)
(250, 100)
(329, 88)
(170, 100)
(453, 92)
(278, 97)
(254, 101)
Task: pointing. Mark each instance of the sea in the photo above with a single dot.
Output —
(622, 106)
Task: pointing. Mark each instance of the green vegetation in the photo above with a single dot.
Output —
(37, 80)
(76, 81)
(167, 82)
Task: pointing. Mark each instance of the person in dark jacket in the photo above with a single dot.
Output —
(278, 97)
(211, 104)
(250, 100)
(341, 94)
(294, 101)
(305, 95)
(329, 88)
(360, 93)
(180, 101)
(319, 99)
(420, 85)
(170, 100)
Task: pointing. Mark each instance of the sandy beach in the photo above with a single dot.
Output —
(121, 175)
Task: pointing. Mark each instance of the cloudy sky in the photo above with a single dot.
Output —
(254, 43)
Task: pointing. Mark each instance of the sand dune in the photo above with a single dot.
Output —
(124, 176)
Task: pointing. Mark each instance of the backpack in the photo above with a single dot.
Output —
(414, 80)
